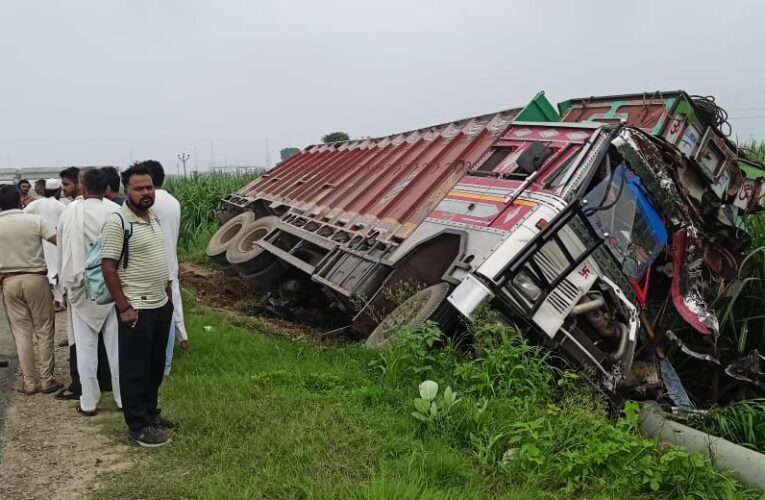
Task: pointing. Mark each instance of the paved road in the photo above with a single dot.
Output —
(7, 375)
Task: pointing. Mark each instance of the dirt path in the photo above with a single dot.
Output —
(48, 451)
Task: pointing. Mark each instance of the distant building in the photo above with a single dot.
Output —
(14, 175)
(238, 169)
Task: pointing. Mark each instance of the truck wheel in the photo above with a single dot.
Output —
(266, 277)
(223, 237)
(427, 304)
(244, 255)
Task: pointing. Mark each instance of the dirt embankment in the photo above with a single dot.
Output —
(248, 306)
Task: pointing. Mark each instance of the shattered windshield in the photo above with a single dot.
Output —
(620, 208)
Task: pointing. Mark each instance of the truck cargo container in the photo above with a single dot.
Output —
(575, 225)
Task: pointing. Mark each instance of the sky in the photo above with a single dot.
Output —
(97, 82)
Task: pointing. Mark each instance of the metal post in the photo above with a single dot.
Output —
(184, 157)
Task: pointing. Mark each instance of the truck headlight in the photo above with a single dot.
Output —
(527, 286)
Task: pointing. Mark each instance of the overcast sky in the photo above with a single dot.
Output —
(87, 82)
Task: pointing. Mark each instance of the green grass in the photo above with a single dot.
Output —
(268, 417)
(199, 196)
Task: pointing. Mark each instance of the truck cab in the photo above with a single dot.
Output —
(596, 212)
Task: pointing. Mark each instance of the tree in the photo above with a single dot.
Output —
(335, 137)
(288, 153)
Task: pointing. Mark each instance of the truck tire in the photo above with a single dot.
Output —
(266, 277)
(244, 255)
(427, 304)
(225, 235)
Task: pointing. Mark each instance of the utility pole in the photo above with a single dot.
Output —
(184, 157)
(268, 157)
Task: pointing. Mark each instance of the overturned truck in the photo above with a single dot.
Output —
(606, 228)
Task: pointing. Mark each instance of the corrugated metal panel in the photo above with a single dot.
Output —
(387, 184)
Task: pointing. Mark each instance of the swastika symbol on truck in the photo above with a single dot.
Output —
(584, 272)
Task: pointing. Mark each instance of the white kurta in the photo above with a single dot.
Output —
(168, 211)
(50, 209)
(80, 225)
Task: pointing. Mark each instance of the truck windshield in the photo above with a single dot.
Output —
(621, 208)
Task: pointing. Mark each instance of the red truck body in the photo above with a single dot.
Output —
(387, 184)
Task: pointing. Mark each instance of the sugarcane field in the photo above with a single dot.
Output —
(434, 250)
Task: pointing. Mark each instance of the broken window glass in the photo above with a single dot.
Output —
(622, 211)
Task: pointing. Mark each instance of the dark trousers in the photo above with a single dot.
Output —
(142, 364)
(104, 373)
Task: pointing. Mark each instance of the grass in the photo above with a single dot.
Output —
(269, 417)
(199, 196)
(742, 422)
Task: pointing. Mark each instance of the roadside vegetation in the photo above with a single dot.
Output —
(742, 321)
(262, 416)
(199, 196)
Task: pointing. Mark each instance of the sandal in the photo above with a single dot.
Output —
(86, 413)
(63, 396)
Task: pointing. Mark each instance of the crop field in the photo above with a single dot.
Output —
(265, 416)
(199, 196)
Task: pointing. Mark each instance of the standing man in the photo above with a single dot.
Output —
(79, 227)
(70, 184)
(26, 294)
(26, 197)
(50, 209)
(113, 185)
(40, 188)
(70, 190)
(168, 211)
(136, 274)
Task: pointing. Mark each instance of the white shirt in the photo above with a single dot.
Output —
(168, 211)
(80, 225)
(50, 209)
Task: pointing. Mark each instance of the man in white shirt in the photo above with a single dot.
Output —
(168, 211)
(80, 225)
(50, 209)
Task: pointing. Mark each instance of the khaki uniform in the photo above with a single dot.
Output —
(26, 294)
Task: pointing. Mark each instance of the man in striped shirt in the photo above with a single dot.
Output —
(134, 265)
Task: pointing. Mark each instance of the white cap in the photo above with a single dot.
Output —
(52, 184)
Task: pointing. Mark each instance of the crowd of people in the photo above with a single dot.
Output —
(47, 241)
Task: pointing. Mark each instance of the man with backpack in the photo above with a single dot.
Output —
(136, 274)
(79, 227)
